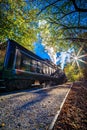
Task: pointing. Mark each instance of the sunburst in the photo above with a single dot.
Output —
(78, 57)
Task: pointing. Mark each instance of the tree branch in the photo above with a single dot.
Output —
(66, 15)
(66, 26)
(77, 8)
(47, 6)
(74, 39)
(76, 27)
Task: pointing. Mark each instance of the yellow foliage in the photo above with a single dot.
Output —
(73, 73)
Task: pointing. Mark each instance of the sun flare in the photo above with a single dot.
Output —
(76, 58)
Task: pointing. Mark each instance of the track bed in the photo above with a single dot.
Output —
(31, 109)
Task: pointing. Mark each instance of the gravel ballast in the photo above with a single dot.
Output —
(31, 110)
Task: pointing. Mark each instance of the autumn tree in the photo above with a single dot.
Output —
(17, 22)
(67, 22)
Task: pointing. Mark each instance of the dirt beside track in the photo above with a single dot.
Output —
(73, 115)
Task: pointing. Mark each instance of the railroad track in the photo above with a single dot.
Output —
(32, 109)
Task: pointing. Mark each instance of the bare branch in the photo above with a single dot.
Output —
(76, 27)
(56, 22)
(65, 27)
(74, 39)
(48, 6)
(77, 8)
(66, 15)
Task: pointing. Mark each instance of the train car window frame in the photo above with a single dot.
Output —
(10, 56)
(34, 65)
(24, 64)
(2, 56)
(33, 62)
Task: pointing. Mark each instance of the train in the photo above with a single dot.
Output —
(20, 68)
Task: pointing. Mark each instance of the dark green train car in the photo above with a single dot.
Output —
(19, 67)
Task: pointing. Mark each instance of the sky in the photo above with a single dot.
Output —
(40, 51)
(44, 52)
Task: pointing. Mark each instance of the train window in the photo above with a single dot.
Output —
(33, 66)
(10, 56)
(18, 59)
(23, 62)
(52, 71)
(26, 63)
(38, 69)
(49, 70)
(44, 68)
(3, 47)
(41, 68)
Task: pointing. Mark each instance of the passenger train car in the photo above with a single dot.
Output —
(19, 67)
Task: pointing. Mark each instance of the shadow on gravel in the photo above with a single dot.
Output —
(40, 96)
(3, 92)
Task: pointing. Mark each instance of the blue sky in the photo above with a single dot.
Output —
(40, 50)
(61, 57)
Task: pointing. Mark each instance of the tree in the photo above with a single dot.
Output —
(17, 22)
(67, 19)
(73, 73)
